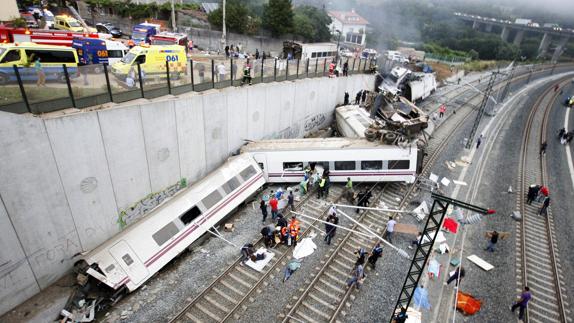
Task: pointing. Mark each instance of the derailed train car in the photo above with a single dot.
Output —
(285, 160)
(131, 257)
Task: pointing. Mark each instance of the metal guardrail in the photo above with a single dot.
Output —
(24, 89)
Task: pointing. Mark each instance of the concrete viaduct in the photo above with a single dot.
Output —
(548, 35)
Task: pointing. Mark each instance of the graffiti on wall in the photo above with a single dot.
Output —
(315, 122)
(147, 204)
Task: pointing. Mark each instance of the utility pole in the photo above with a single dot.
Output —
(224, 32)
(173, 25)
(481, 109)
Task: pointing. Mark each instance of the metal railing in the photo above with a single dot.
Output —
(53, 88)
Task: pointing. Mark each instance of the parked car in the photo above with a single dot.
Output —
(108, 28)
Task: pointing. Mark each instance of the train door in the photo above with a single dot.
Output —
(129, 262)
(261, 160)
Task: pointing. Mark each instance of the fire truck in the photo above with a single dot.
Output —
(38, 36)
(167, 38)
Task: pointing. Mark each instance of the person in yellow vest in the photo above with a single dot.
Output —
(321, 189)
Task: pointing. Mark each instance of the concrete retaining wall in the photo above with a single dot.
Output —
(69, 183)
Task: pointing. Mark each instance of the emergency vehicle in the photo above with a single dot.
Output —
(142, 33)
(99, 51)
(64, 22)
(167, 38)
(152, 60)
(25, 54)
(43, 37)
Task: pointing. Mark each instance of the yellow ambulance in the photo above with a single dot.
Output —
(64, 22)
(151, 59)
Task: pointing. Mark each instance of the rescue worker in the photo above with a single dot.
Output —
(346, 99)
(284, 235)
(246, 74)
(321, 189)
(532, 193)
(349, 191)
(331, 229)
(303, 186)
(376, 253)
(267, 234)
(294, 229)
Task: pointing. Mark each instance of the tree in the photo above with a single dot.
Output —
(473, 54)
(312, 23)
(278, 17)
(236, 17)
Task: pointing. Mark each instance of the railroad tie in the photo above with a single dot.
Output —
(333, 287)
(246, 273)
(314, 310)
(208, 312)
(339, 271)
(193, 318)
(222, 294)
(318, 299)
(324, 292)
(335, 278)
(239, 280)
(305, 318)
(216, 304)
(232, 288)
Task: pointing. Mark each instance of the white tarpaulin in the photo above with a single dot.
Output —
(260, 264)
(304, 248)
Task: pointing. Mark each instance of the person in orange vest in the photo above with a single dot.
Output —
(284, 234)
(294, 229)
(131, 43)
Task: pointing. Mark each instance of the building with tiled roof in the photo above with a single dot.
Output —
(352, 27)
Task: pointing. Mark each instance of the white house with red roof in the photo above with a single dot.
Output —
(352, 27)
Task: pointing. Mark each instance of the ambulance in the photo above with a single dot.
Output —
(99, 51)
(152, 60)
(24, 55)
(64, 22)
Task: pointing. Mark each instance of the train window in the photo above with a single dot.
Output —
(248, 172)
(110, 268)
(190, 215)
(165, 233)
(293, 166)
(371, 164)
(261, 165)
(127, 259)
(212, 199)
(344, 165)
(231, 185)
(399, 164)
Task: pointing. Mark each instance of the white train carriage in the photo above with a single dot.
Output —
(284, 161)
(352, 121)
(134, 255)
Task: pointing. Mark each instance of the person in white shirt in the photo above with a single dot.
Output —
(390, 229)
(221, 71)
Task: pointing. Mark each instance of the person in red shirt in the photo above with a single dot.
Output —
(273, 204)
(441, 110)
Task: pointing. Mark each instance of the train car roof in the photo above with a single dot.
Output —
(313, 144)
(201, 186)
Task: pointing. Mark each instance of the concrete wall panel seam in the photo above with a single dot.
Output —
(108, 164)
(62, 184)
(145, 149)
(20, 242)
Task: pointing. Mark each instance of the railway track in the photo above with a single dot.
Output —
(228, 293)
(538, 255)
(323, 300)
